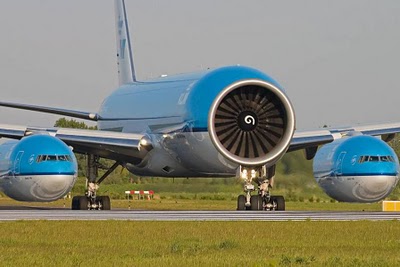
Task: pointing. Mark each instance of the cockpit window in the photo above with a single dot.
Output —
(373, 158)
(385, 158)
(376, 159)
(41, 158)
(51, 158)
(362, 159)
(62, 158)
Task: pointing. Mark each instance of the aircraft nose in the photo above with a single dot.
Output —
(52, 187)
(375, 188)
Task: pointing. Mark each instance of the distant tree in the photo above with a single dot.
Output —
(72, 123)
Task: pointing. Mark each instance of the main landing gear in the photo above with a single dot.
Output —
(91, 201)
(262, 200)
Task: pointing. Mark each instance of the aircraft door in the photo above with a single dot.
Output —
(339, 163)
(17, 162)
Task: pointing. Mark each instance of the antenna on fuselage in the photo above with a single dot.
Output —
(126, 68)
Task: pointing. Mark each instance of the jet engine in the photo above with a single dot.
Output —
(251, 122)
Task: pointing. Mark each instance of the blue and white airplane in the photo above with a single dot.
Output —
(233, 121)
(357, 169)
(37, 168)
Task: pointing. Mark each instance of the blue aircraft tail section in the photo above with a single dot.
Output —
(126, 69)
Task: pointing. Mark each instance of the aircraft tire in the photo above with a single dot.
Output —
(256, 202)
(280, 202)
(241, 201)
(105, 202)
(83, 203)
(75, 203)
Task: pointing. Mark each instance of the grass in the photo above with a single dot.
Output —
(121, 243)
(117, 243)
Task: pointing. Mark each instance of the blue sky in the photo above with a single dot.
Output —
(338, 60)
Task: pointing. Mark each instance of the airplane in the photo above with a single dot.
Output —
(48, 174)
(232, 121)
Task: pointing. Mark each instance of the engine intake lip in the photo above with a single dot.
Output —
(249, 122)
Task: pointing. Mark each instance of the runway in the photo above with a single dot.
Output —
(135, 215)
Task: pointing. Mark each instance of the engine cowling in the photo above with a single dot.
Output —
(251, 122)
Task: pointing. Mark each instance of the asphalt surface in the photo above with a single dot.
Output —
(135, 215)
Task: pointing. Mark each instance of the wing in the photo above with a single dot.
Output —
(312, 139)
(59, 111)
(124, 147)
(127, 147)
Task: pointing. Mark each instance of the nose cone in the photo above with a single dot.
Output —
(375, 188)
(40, 188)
(51, 187)
(361, 189)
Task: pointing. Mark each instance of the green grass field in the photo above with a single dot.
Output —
(121, 243)
(127, 243)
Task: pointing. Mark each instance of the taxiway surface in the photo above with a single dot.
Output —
(135, 215)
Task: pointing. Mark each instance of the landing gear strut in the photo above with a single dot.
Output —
(262, 200)
(91, 201)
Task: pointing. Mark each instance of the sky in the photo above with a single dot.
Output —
(337, 60)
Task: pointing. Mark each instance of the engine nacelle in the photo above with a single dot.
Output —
(206, 123)
(251, 122)
(357, 169)
(37, 168)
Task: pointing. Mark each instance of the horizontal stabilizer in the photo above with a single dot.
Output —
(58, 111)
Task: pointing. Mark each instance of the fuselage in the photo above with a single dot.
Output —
(37, 168)
(174, 113)
(357, 169)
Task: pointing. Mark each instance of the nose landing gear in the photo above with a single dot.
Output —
(262, 200)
